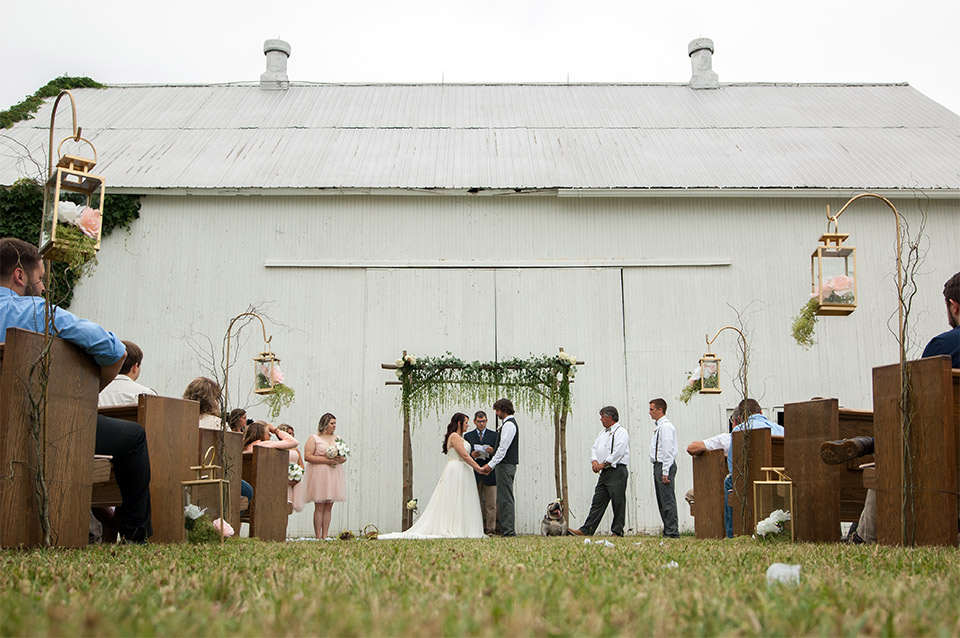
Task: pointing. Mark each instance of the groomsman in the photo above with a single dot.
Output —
(481, 443)
(608, 458)
(505, 462)
(663, 453)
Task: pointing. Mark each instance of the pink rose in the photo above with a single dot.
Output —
(89, 222)
(841, 284)
(227, 531)
(277, 374)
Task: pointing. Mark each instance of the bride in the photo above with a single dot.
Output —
(454, 508)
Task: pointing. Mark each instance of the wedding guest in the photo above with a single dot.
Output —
(663, 452)
(21, 306)
(237, 420)
(608, 458)
(481, 442)
(505, 462)
(207, 393)
(295, 458)
(258, 433)
(124, 389)
(323, 482)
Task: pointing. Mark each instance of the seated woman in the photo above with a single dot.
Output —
(207, 393)
(258, 433)
(237, 420)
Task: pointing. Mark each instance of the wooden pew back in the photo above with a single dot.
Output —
(71, 417)
(709, 470)
(266, 470)
(232, 463)
(929, 516)
(823, 495)
(751, 451)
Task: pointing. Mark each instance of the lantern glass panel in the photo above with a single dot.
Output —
(709, 375)
(264, 374)
(774, 495)
(834, 277)
(76, 190)
(207, 495)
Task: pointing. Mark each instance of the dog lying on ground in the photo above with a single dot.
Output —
(552, 523)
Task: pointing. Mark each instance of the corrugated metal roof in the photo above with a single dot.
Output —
(509, 136)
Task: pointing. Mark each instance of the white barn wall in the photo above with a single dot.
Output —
(191, 263)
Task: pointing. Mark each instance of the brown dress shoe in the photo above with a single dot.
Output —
(837, 452)
(575, 532)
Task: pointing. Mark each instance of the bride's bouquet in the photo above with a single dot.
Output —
(339, 448)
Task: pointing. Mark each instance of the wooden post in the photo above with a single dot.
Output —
(407, 517)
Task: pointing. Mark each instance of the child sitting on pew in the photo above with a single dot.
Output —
(207, 393)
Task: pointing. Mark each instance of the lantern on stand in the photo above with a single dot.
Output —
(710, 374)
(773, 493)
(833, 275)
(209, 491)
(72, 201)
(267, 372)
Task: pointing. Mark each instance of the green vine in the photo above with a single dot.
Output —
(804, 323)
(690, 390)
(26, 108)
(280, 398)
(539, 384)
(20, 211)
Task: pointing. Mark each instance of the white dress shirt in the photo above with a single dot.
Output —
(663, 444)
(508, 430)
(122, 391)
(719, 442)
(612, 446)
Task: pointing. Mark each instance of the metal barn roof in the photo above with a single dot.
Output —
(524, 136)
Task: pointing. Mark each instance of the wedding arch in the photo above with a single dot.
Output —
(536, 385)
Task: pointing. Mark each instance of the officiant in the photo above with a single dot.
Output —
(482, 442)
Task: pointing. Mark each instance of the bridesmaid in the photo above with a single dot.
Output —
(295, 458)
(323, 482)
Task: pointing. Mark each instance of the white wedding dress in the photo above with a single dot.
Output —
(454, 508)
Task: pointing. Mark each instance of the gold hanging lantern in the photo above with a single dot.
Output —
(710, 374)
(209, 491)
(72, 201)
(267, 372)
(773, 493)
(833, 273)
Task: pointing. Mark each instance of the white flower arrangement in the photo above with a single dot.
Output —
(294, 472)
(193, 512)
(412, 505)
(772, 524)
(339, 448)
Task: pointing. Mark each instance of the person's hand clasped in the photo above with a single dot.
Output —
(595, 466)
(666, 480)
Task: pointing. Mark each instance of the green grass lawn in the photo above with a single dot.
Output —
(522, 586)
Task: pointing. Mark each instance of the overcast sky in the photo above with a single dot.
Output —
(210, 41)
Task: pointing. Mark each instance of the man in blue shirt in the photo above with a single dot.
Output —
(747, 416)
(948, 343)
(21, 284)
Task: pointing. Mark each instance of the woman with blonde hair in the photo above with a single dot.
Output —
(323, 482)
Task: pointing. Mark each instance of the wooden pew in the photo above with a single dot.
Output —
(171, 428)
(709, 470)
(930, 514)
(232, 464)
(71, 418)
(265, 469)
(751, 451)
(823, 495)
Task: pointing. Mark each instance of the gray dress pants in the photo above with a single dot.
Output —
(666, 499)
(505, 473)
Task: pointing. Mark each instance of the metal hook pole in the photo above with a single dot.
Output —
(53, 117)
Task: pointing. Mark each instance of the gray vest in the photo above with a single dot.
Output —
(513, 452)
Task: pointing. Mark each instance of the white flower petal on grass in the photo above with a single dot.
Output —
(607, 544)
(671, 565)
(783, 573)
(587, 541)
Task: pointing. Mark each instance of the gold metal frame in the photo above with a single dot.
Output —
(779, 479)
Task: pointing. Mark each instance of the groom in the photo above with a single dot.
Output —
(505, 463)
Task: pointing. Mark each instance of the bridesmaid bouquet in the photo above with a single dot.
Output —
(339, 448)
(294, 473)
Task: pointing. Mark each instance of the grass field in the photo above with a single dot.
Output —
(522, 586)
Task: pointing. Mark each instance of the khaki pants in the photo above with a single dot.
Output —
(488, 505)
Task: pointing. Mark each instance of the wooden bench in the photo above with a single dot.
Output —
(751, 450)
(929, 516)
(265, 469)
(232, 464)
(709, 470)
(823, 495)
(71, 428)
(171, 428)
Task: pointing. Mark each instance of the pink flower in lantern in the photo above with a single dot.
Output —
(226, 531)
(841, 284)
(277, 374)
(89, 222)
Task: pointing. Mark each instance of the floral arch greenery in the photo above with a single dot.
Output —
(537, 385)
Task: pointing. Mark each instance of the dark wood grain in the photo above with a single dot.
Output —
(709, 470)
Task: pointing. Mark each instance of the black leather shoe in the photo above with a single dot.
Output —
(837, 452)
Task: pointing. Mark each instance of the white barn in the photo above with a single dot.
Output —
(621, 222)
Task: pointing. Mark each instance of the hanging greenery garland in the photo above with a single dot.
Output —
(537, 385)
